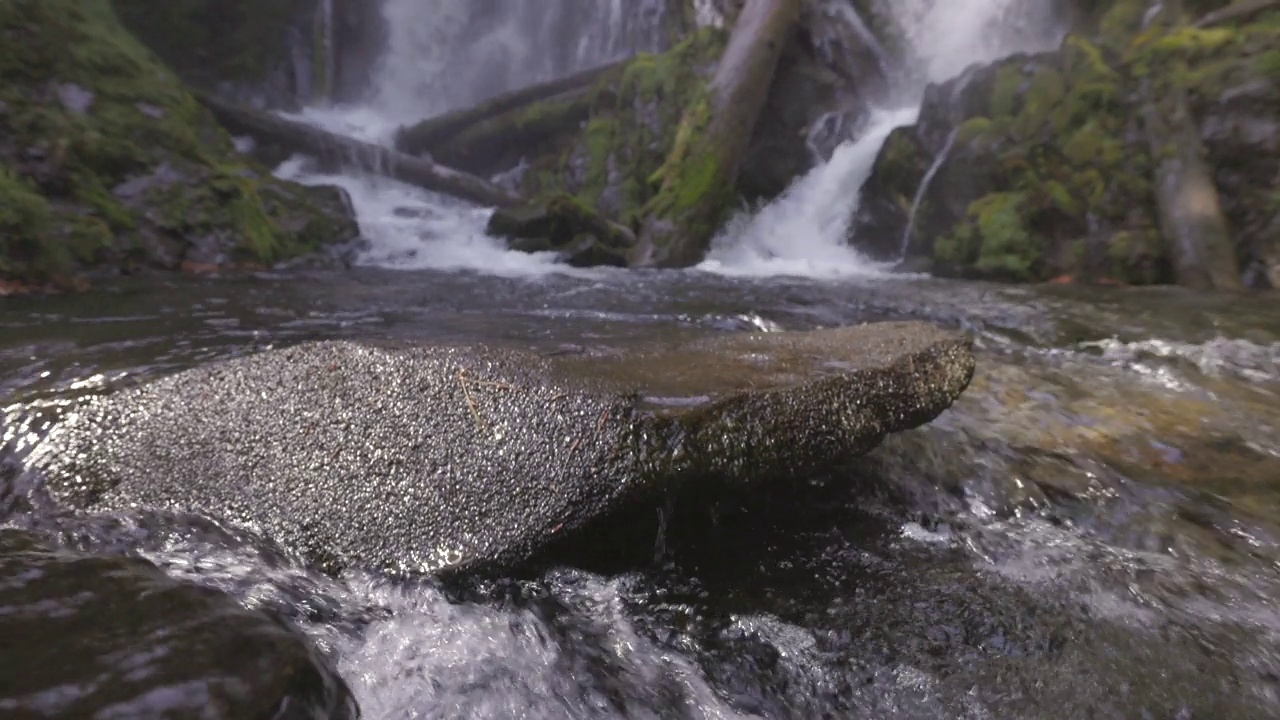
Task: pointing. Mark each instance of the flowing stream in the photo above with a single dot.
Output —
(1092, 531)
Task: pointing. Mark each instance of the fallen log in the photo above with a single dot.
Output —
(344, 151)
(1240, 10)
(500, 142)
(432, 133)
(697, 181)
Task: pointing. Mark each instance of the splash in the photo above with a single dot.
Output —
(445, 54)
(802, 232)
(805, 231)
(408, 228)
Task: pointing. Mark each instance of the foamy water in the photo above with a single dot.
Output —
(803, 232)
(432, 67)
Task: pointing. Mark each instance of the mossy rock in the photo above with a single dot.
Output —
(566, 226)
(613, 165)
(111, 165)
(240, 47)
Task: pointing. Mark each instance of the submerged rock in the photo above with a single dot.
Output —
(427, 458)
(113, 637)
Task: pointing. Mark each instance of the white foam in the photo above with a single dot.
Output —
(408, 228)
(804, 231)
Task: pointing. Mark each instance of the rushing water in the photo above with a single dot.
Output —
(1090, 532)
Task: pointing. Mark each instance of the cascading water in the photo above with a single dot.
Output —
(929, 174)
(446, 54)
(805, 231)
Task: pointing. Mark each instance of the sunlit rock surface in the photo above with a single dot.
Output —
(416, 459)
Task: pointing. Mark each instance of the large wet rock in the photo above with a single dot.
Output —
(415, 459)
(113, 637)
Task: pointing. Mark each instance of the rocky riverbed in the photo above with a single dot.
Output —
(1100, 499)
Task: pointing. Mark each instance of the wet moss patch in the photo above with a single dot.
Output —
(111, 165)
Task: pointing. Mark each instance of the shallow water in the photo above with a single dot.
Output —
(1090, 532)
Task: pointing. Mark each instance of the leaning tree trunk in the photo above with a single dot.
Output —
(1187, 203)
(698, 178)
(344, 151)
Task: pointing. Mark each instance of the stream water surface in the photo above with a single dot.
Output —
(1092, 531)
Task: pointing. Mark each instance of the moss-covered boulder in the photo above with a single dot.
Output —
(564, 225)
(611, 162)
(1044, 167)
(262, 52)
(107, 164)
(242, 47)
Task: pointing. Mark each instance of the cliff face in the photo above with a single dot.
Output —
(1059, 164)
(108, 164)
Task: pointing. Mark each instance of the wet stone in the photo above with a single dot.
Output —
(113, 637)
(420, 459)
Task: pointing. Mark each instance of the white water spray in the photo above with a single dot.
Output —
(805, 231)
(802, 232)
(445, 54)
(932, 172)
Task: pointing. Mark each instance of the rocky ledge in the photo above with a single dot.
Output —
(422, 459)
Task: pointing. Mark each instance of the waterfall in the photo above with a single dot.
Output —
(324, 54)
(804, 232)
(920, 191)
(445, 54)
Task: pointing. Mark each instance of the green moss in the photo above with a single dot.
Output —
(87, 110)
(1007, 91)
(1061, 197)
(975, 129)
(1137, 257)
(1122, 19)
(601, 137)
(216, 41)
(1091, 145)
(1007, 248)
(634, 121)
(25, 221)
(1193, 40)
(1268, 64)
(692, 178)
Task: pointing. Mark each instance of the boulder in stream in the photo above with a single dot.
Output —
(422, 459)
(113, 637)
(566, 226)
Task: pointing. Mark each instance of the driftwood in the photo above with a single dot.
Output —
(1188, 207)
(1241, 10)
(431, 134)
(344, 151)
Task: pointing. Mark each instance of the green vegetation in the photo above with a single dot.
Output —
(1069, 193)
(107, 160)
(213, 42)
(618, 166)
